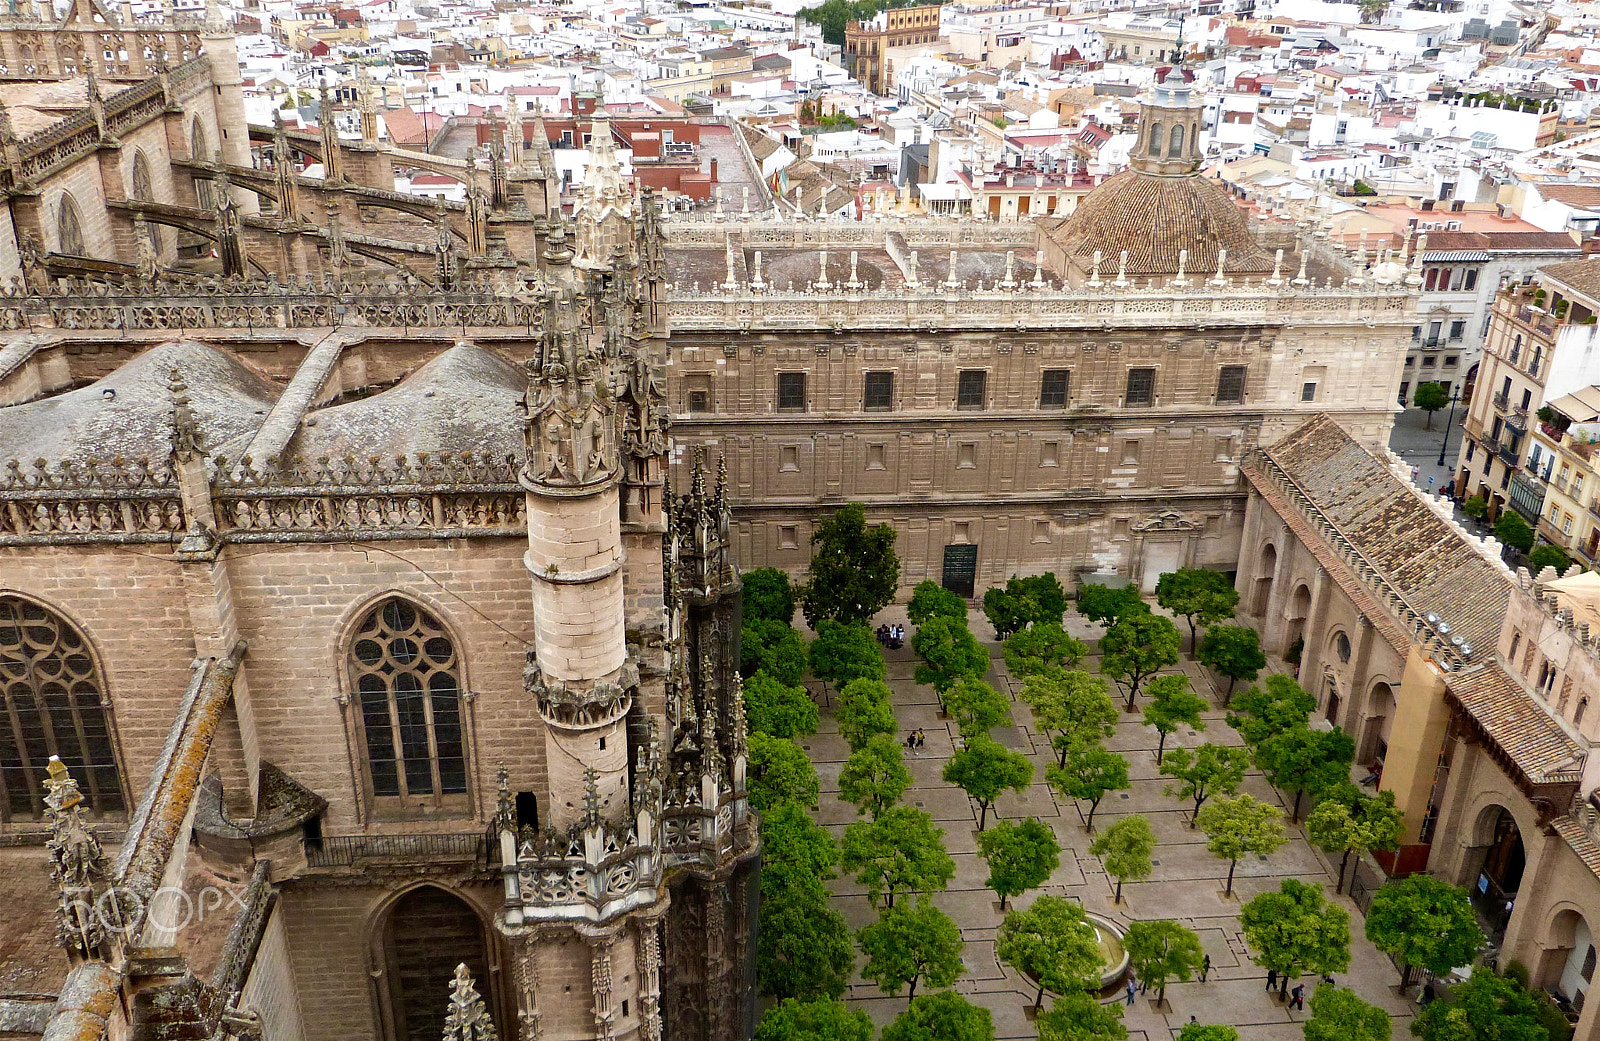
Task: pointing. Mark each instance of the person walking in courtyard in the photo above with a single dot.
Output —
(1131, 988)
(1297, 997)
(1205, 968)
(1272, 978)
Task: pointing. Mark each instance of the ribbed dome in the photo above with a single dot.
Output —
(1154, 218)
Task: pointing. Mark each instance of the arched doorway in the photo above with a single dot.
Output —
(1504, 859)
(1331, 714)
(1567, 963)
(1295, 632)
(1380, 716)
(427, 933)
(1262, 594)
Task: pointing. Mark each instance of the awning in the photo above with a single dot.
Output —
(1459, 256)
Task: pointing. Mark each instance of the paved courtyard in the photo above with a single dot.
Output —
(1413, 441)
(1187, 882)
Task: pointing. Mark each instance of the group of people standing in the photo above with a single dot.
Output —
(892, 636)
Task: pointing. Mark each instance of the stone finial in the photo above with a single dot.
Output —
(1122, 272)
(591, 797)
(185, 427)
(505, 812)
(468, 1018)
(1277, 270)
(1094, 270)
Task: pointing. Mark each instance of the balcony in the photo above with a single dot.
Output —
(1507, 455)
(1526, 496)
(1594, 508)
(1502, 401)
(346, 850)
(1517, 419)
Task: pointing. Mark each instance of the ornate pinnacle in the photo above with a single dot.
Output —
(505, 814)
(84, 921)
(185, 428)
(468, 1019)
(591, 797)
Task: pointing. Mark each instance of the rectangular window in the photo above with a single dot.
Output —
(699, 401)
(1429, 362)
(1230, 385)
(1308, 392)
(788, 459)
(1141, 387)
(1470, 446)
(1130, 453)
(788, 536)
(877, 392)
(1458, 329)
(1041, 531)
(970, 386)
(1050, 453)
(1451, 360)
(1472, 279)
(875, 458)
(967, 455)
(791, 391)
(1053, 388)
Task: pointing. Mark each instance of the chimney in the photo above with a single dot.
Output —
(713, 169)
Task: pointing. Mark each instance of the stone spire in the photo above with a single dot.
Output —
(514, 138)
(330, 135)
(468, 1019)
(369, 108)
(283, 172)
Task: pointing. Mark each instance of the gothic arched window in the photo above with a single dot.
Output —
(144, 190)
(69, 228)
(199, 152)
(406, 676)
(52, 705)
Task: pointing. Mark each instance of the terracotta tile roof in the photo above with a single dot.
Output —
(1154, 218)
(1420, 556)
(1582, 843)
(1582, 275)
(1517, 724)
(1583, 196)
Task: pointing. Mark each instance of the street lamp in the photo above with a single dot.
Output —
(1455, 393)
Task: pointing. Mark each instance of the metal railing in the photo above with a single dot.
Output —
(345, 850)
(1502, 401)
(1507, 455)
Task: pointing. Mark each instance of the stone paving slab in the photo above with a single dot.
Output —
(1187, 883)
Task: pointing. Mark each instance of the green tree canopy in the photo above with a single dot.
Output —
(1043, 646)
(1203, 772)
(1108, 606)
(1206, 1032)
(976, 707)
(774, 648)
(1161, 951)
(1302, 760)
(1296, 930)
(825, 1019)
(909, 943)
(1198, 596)
(779, 772)
(1172, 705)
(1053, 943)
(949, 652)
(900, 851)
(1546, 555)
(1075, 707)
(1355, 824)
(803, 946)
(842, 653)
(942, 1015)
(931, 600)
(854, 571)
(1125, 848)
(1078, 1016)
(1338, 1015)
(777, 709)
(1024, 602)
(1235, 652)
(797, 853)
(1425, 923)
(1514, 531)
(1239, 825)
(1260, 712)
(1430, 397)
(1485, 1008)
(984, 769)
(865, 711)
(874, 778)
(1021, 856)
(1087, 773)
(768, 595)
(1136, 648)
